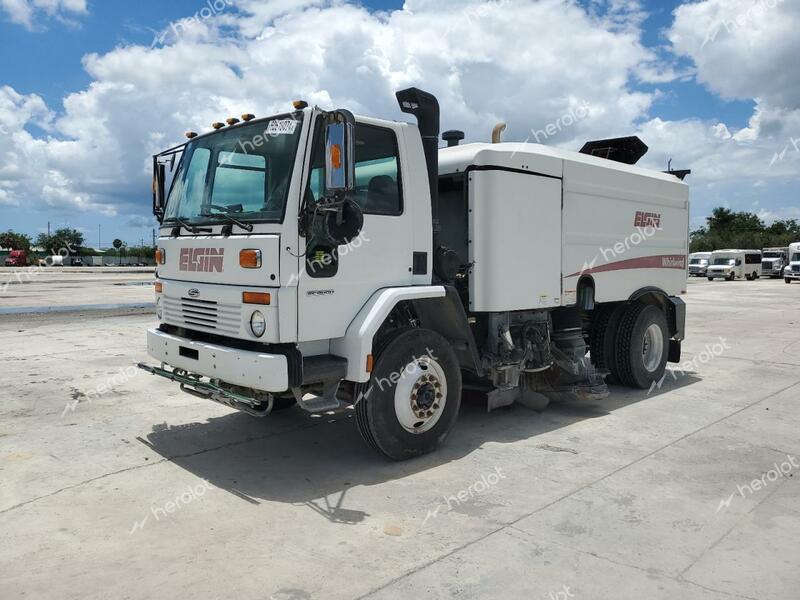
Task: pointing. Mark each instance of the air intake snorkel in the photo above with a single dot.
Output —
(425, 107)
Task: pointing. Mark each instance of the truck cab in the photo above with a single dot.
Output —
(792, 271)
(16, 258)
(774, 261)
(734, 264)
(698, 263)
(330, 261)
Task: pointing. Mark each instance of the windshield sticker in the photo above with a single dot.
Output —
(283, 127)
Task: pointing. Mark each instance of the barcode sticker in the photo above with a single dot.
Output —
(283, 127)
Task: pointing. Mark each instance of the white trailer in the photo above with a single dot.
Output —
(698, 263)
(792, 271)
(324, 260)
(774, 261)
(734, 264)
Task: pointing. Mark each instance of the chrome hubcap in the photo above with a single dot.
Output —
(420, 395)
(652, 347)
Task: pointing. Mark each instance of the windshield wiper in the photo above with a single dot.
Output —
(190, 227)
(224, 212)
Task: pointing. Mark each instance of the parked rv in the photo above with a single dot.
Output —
(792, 271)
(698, 263)
(774, 261)
(734, 264)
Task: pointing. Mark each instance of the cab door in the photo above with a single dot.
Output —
(334, 283)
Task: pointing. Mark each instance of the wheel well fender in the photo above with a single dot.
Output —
(357, 343)
(674, 308)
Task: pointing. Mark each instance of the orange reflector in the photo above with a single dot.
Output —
(256, 298)
(336, 156)
(159, 287)
(250, 259)
(370, 363)
(159, 257)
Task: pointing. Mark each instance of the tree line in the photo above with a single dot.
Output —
(67, 242)
(742, 230)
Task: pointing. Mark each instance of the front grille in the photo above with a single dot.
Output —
(766, 266)
(203, 315)
(795, 268)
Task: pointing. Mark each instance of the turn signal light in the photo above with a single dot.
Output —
(159, 287)
(250, 259)
(336, 156)
(161, 256)
(256, 298)
(370, 363)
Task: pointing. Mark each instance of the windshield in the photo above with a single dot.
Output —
(698, 261)
(796, 257)
(773, 255)
(724, 261)
(244, 171)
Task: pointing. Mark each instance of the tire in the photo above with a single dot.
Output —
(389, 414)
(749, 277)
(787, 280)
(732, 277)
(609, 354)
(597, 339)
(637, 366)
(711, 279)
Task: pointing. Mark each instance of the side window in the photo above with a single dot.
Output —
(378, 185)
(379, 189)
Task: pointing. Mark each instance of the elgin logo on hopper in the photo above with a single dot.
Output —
(204, 260)
(647, 219)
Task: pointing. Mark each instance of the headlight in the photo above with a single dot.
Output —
(159, 311)
(258, 324)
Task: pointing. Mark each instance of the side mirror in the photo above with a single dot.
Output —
(340, 155)
(336, 224)
(159, 179)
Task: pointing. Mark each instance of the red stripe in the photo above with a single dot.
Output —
(663, 261)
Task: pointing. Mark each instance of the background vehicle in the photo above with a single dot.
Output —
(774, 261)
(734, 264)
(792, 270)
(265, 297)
(16, 258)
(698, 263)
(54, 261)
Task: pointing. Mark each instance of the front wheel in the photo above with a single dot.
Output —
(732, 276)
(642, 346)
(412, 399)
(787, 280)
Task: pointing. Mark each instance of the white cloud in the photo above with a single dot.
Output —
(526, 63)
(25, 12)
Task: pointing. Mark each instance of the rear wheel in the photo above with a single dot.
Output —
(749, 277)
(412, 399)
(711, 279)
(642, 346)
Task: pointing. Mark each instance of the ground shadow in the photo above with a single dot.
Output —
(296, 458)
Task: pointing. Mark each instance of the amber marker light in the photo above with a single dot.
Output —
(262, 298)
(250, 259)
(159, 287)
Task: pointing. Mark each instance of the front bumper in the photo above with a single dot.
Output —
(791, 274)
(718, 273)
(254, 370)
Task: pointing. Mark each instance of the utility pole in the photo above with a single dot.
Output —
(98, 238)
(154, 238)
(48, 229)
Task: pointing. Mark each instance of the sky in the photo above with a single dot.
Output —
(91, 89)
